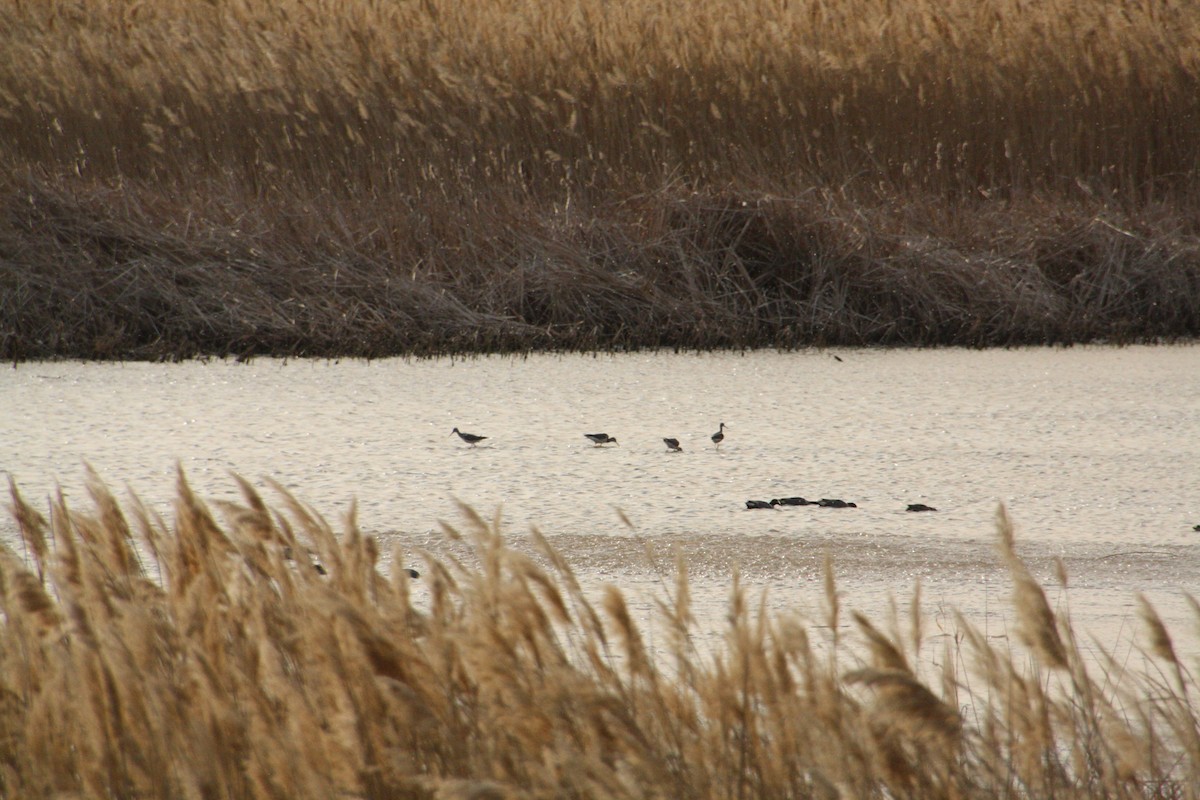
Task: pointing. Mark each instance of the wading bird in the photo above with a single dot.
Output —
(719, 436)
(470, 438)
(601, 438)
(673, 445)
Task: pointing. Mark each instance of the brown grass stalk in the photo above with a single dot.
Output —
(220, 663)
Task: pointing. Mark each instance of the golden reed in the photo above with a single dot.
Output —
(204, 656)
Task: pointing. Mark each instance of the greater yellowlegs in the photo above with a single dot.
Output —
(719, 436)
(673, 445)
(470, 438)
(601, 438)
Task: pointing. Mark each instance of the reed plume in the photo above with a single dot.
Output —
(1036, 623)
(201, 655)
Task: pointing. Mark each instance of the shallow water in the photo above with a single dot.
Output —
(1094, 452)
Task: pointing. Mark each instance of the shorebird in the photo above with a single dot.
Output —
(470, 438)
(601, 438)
(761, 504)
(920, 507)
(719, 436)
(673, 445)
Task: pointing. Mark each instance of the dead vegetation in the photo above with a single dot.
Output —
(362, 178)
(192, 657)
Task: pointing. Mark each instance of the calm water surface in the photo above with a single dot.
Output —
(1094, 451)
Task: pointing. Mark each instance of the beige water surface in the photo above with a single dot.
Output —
(1094, 451)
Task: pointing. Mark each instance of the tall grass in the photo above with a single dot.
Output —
(370, 177)
(220, 667)
(374, 95)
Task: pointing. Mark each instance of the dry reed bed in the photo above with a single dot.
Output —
(221, 668)
(364, 178)
(958, 95)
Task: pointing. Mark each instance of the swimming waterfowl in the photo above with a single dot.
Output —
(761, 504)
(412, 573)
(920, 507)
(673, 445)
(826, 502)
(601, 438)
(470, 438)
(719, 436)
(794, 501)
